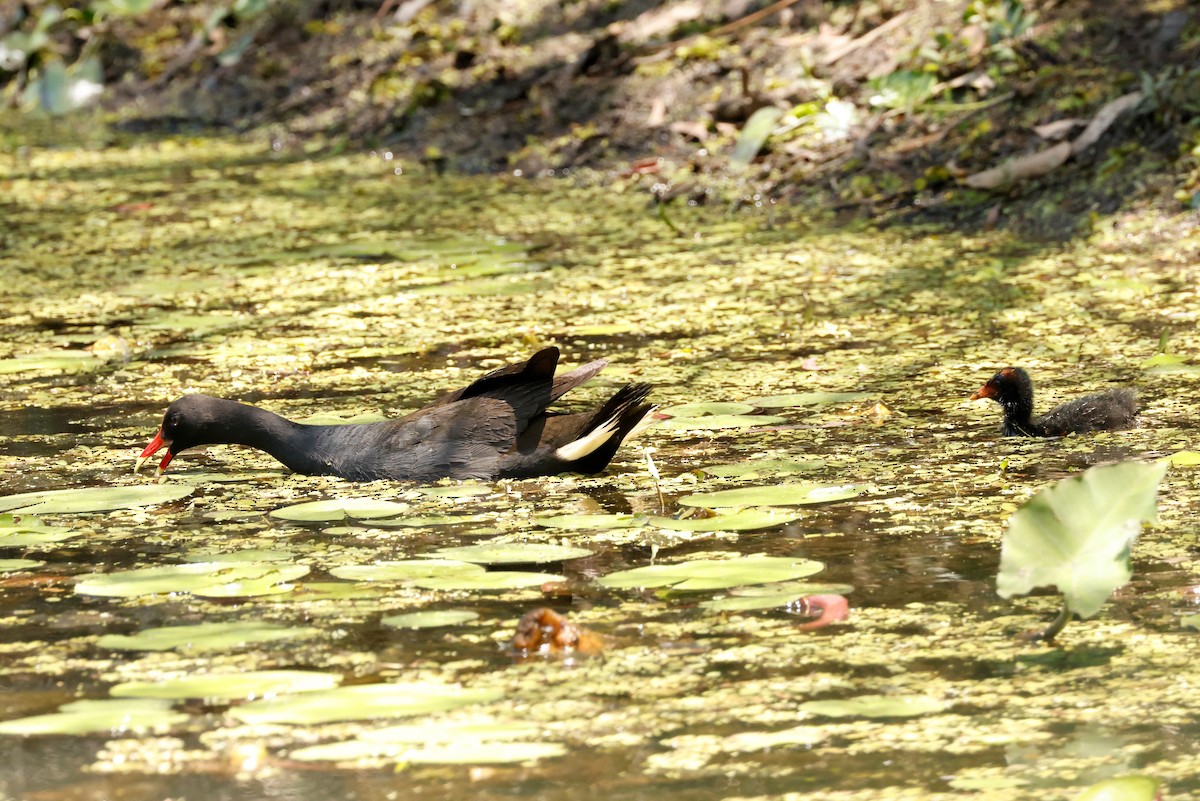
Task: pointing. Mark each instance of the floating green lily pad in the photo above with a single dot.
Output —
(406, 570)
(11, 565)
(768, 597)
(774, 495)
(1190, 622)
(876, 706)
(118, 716)
(62, 361)
(707, 409)
(429, 620)
(258, 580)
(492, 740)
(457, 491)
(584, 522)
(751, 741)
(93, 499)
(454, 731)
(713, 574)
(363, 702)
(340, 509)
(762, 469)
(1077, 534)
(204, 636)
(1184, 459)
(214, 687)
(719, 421)
(484, 753)
(522, 553)
(748, 519)
(349, 751)
(806, 399)
(224, 579)
(24, 531)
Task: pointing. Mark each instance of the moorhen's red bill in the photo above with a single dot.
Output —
(1113, 410)
(498, 427)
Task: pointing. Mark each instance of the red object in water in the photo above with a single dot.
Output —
(829, 608)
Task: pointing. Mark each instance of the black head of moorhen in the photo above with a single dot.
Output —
(497, 427)
(1113, 410)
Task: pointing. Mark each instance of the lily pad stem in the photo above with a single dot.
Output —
(1048, 634)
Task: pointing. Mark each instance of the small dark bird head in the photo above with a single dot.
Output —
(1009, 384)
(1013, 390)
(190, 421)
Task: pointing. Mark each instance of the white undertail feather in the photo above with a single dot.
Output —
(573, 451)
(646, 421)
(588, 443)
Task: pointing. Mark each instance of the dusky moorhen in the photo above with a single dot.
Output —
(497, 427)
(1113, 410)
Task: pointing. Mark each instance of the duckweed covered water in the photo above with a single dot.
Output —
(341, 286)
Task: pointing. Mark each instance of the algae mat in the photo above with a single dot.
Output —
(821, 364)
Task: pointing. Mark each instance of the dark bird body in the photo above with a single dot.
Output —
(497, 427)
(1012, 388)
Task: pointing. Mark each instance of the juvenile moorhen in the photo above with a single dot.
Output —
(1113, 410)
(497, 427)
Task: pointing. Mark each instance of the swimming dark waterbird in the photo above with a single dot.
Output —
(497, 427)
(1012, 388)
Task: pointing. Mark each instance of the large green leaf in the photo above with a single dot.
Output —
(875, 706)
(775, 495)
(94, 499)
(204, 636)
(1076, 535)
(248, 684)
(806, 399)
(363, 702)
(117, 715)
(18, 531)
(340, 509)
(701, 409)
(211, 579)
(713, 574)
(430, 619)
(1123, 788)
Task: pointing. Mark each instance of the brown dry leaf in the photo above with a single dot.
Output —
(1020, 168)
(1104, 118)
(658, 113)
(690, 129)
(1059, 129)
(659, 21)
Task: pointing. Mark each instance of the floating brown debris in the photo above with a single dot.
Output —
(544, 631)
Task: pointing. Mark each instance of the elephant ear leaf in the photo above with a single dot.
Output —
(1077, 534)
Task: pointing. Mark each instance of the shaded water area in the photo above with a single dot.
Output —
(347, 286)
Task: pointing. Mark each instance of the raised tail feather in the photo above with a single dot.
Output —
(624, 415)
